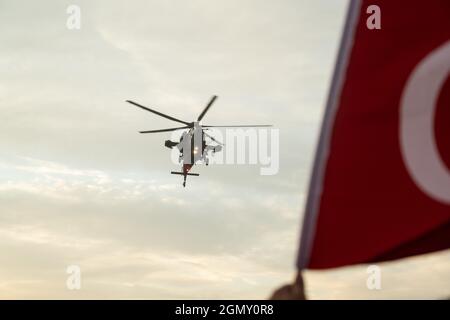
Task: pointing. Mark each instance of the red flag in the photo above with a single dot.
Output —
(380, 188)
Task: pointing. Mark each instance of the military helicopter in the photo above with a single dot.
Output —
(192, 145)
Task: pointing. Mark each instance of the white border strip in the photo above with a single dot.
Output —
(322, 152)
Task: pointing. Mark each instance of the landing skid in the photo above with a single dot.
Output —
(184, 175)
(187, 174)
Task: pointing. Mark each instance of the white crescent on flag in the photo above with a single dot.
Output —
(419, 148)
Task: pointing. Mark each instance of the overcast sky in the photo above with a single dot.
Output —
(79, 185)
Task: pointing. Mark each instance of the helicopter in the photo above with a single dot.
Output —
(192, 146)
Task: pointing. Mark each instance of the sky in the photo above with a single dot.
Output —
(80, 186)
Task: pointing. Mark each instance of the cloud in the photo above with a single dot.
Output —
(107, 222)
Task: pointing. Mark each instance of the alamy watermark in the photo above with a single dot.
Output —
(73, 281)
(73, 21)
(252, 146)
(373, 281)
(373, 22)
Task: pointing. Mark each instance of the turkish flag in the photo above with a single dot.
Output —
(380, 187)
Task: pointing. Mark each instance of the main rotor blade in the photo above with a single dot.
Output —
(164, 130)
(200, 117)
(158, 113)
(212, 138)
(240, 126)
